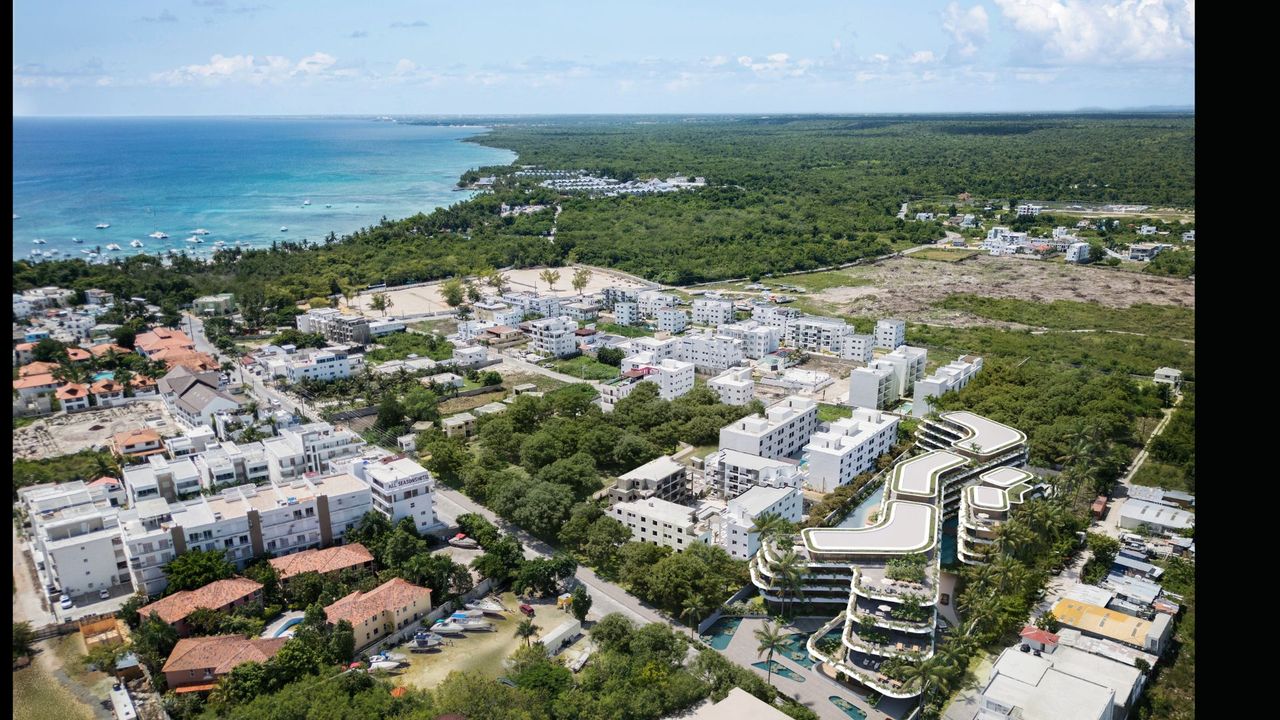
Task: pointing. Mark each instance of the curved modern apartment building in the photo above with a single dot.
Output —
(883, 580)
(986, 506)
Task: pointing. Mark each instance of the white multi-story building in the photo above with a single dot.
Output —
(75, 538)
(320, 366)
(401, 488)
(335, 327)
(657, 349)
(1027, 209)
(952, 376)
(890, 333)
(626, 313)
(160, 477)
(871, 387)
(614, 295)
(309, 448)
(908, 367)
(548, 306)
(781, 432)
(650, 302)
(710, 352)
(714, 312)
(468, 355)
(243, 522)
(553, 336)
(1078, 252)
(813, 332)
(849, 447)
(774, 316)
(1147, 230)
(734, 386)
(672, 320)
(582, 311)
(734, 532)
(757, 340)
(673, 378)
(660, 522)
(229, 463)
(855, 347)
(734, 472)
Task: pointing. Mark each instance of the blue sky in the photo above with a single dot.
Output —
(245, 57)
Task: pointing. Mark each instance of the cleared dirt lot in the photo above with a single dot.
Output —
(68, 434)
(427, 299)
(906, 287)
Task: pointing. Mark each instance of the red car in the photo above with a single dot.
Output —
(526, 609)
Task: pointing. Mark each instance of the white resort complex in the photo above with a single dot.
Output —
(885, 576)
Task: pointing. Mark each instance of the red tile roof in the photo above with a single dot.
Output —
(23, 347)
(215, 595)
(321, 561)
(141, 381)
(162, 338)
(390, 595)
(100, 350)
(1031, 632)
(106, 386)
(141, 436)
(71, 391)
(37, 368)
(104, 481)
(34, 381)
(220, 653)
(77, 354)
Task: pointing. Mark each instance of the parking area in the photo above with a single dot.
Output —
(67, 434)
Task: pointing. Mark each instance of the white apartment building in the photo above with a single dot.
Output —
(908, 366)
(712, 312)
(658, 349)
(334, 326)
(309, 448)
(781, 432)
(582, 311)
(160, 477)
(734, 386)
(378, 328)
(812, 332)
(871, 387)
(672, 320)
(734, 532)
(400, 488)
(661, 522)
(193, 441)
(614, 295)
(774, 316)
(649, 302)
(75, 538)
(242, 521)
(553, 336)
(626, 313)
(849, 447)
(734, 472)
(673, 378)
(952, 376)
(548, 306)
(1078, 252)
(320, 365)
(467, 355)
(757, 340)
(229, 463)
(1027, 209)
(890, 332)
(710, 352)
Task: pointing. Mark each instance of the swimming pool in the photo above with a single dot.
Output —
(721, 632)
(287, 625)
(104, 375)
(781, 670)
(796, 650)
(847, 707)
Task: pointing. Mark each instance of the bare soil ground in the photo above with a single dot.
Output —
(908, 288)
(66, 434)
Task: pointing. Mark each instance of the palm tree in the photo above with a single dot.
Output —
(550, 277)
(767, 525)
(924, 674)
(69, 372)
(771, 640)
(526, 630)
(694, 607)
(789, 573)
(496, 280)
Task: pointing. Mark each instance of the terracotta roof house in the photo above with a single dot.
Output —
(73, 396)
(161, 339)
(196, 664)
(221, 596)
(142, 385)
(34, 384)
(181, 357)
(106, 349)
(37, 368)
(107, 390)
(137, 443)
(76, 354)
(329, 560)
(388, 608)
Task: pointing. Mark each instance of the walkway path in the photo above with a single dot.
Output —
(26, 602)
(1110, 525)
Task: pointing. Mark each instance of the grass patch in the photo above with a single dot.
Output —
(85, 465)
(22, 422)
(817, 282)
(544, 383)
(399, 346)
(1159, 320)
(462, 404)
(631, 331)
(943, 254)
(585, 368)
(439, 326)
(827, 413)
(1163, 475)
(37, 695)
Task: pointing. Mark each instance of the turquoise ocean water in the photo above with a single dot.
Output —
(241, 179)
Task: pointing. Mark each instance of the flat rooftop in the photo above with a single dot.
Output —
(746, 460)
(989, 435)
(906, 527)
(655, 469)
(760, 497)
(919, 475)
(1101, 621)
(659, 509)
(1005, 477)
(1041, 692)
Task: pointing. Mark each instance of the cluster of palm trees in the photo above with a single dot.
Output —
(1081, 465)
(788, 567)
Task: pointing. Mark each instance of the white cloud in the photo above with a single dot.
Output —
(1036, 77)
(968, 29)
(716, 61)
(268, 70)
(315, 63)
(405, 67)
(776, 65)
(1105, 32)
(880, 58)
(921, 57)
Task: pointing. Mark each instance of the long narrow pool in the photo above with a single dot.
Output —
(858, 518)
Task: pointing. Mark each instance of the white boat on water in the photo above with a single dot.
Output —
(39, 241)
(306, 203)
(35, 252)
(284, 228)
(199, 231)
(194, 239)
(218, 243)
(86, 251)
(136, 243)
(15, 216)
(487, 605)
(158, 235)
(102, 226)
(76, 240)
(113, 246)
(447, 627)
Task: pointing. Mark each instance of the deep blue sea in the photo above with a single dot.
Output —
(241, 179)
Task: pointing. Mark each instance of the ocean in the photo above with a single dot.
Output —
(242, 179)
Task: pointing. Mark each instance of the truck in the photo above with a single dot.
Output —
(564, 634)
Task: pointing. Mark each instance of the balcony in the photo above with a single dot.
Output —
(858, 666)
(887, 642)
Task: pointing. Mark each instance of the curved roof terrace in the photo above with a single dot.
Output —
(989, 436)
(906, 528)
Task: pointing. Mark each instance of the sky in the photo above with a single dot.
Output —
(278, 57)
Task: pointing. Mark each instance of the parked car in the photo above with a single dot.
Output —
(526, 609)
(104, 594)
(65, 601)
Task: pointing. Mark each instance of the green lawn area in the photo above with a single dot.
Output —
(1158, 474)
(943, 254)
(1158, 320)
(398, 346)
(630, 331)
(817, 282)
(22, 422)
(827, 413)
(586, 368)
(38, 696)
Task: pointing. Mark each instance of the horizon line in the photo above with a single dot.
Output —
(1153, 110)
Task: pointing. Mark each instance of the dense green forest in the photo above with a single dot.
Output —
(788, 193)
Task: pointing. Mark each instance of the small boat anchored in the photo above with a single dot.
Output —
(76, 240)
(136, 243)
(194, 239)
(306, 203)
(113, 246)
(199, 231)
(102, 226)
(284, 228)
(158, 235)
(39, 241)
